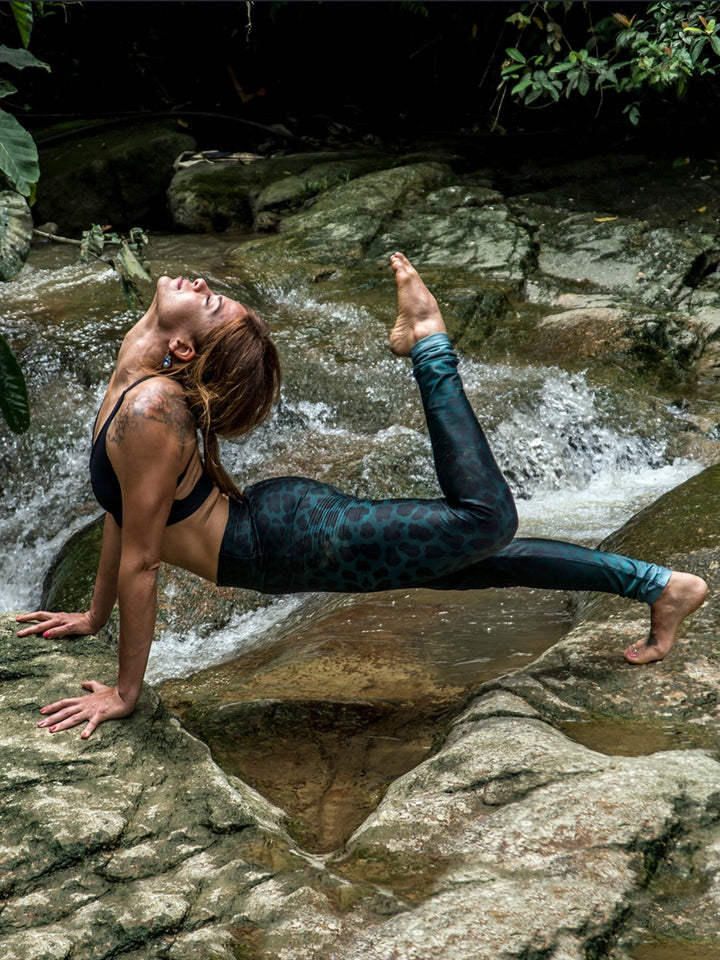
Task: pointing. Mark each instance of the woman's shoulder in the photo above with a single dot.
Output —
(154, 402)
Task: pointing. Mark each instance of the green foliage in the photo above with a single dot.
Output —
(18, 153)
(13, 392)
(23, 13)
(19, 167)
(661, 48)
(20, 59)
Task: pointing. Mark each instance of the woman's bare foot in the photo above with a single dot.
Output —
(683, 594)
(418, 312)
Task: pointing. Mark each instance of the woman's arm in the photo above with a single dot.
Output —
(55, 624)
(146, 445)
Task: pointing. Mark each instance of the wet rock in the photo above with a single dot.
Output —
(661, 346)
(124, 174)
(463, 227)
(184, 601)
(339, 228)
(318, 723)
(99, 819)
(215, 196)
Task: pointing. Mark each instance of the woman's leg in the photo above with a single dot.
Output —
(313, 537)
(298, 535)
(555, 565)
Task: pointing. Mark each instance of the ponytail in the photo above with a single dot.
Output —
(230, 387)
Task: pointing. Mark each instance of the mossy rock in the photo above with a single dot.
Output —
(70, 580)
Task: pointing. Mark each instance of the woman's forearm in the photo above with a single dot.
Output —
(137, 597)
(106, 581)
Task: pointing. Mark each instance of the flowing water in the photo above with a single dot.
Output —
(580, 459)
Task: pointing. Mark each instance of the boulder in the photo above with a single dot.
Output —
(118, 177)
(209, 196)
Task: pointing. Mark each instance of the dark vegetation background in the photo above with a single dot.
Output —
(334, 69)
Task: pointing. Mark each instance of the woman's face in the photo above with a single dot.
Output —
(191, 306)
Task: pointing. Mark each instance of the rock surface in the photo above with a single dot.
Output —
(513, 838)
(117, 177)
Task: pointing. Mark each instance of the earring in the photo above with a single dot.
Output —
(167, 361)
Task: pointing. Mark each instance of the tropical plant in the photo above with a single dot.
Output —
(13, 392)
(660, 48)
(20, 171)
(18, 153)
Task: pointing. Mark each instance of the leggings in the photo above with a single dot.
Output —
(292, 535)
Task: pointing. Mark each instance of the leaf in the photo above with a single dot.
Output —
(18, 155)
(515, 55)
(7, 89)
(92, 242)
(14, 404)
(16, 231)
(23, 13)
(20, 59)
(523, 84)
(622, 19)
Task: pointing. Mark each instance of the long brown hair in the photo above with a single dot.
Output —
(230, 386)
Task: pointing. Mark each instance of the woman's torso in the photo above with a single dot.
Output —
(193, 540)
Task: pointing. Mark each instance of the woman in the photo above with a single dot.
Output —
(198, 361)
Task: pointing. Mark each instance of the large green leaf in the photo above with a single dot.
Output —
(14, 404)
(23, 12)
(20, 58)
(18, 155)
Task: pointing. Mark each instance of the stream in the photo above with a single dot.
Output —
(580, 459)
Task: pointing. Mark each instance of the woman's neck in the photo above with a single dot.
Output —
(142, 349)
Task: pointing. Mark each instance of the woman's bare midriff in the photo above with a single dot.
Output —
(194, 543)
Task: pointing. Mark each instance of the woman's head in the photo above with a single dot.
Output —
(232, 379)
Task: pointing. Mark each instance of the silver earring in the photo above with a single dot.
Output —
(167, 361)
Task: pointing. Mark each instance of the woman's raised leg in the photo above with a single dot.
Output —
(314, 537)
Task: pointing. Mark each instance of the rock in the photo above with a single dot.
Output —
(663, 347)
(124, 174)
(184, 601)
(470, 228)
(132, 843)
(318, 724)
(215, 196)
(339, 227)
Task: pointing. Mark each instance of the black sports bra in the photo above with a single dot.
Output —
(106, 485)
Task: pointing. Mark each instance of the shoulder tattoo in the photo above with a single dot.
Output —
(162, 406)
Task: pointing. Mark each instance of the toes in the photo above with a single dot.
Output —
(644, 651)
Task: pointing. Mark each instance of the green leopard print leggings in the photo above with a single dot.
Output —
(292, 535)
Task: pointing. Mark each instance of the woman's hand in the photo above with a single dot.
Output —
(54, 625)
(103, 703)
